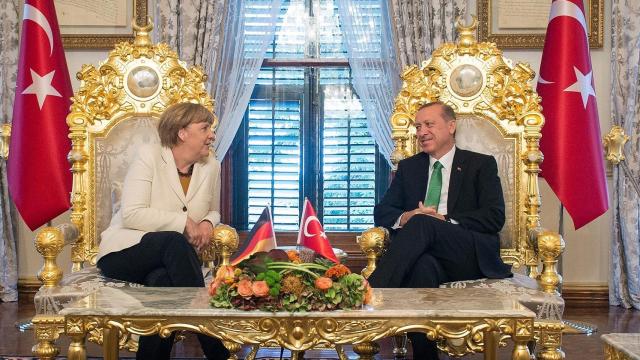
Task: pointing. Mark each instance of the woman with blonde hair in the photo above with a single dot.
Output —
(170, 204)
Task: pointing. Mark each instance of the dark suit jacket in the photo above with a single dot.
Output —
(475, 201)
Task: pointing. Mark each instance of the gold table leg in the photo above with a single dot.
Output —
(549, 343)
(47, 331)
(522, 334)
(77, 349)
(110, 343)
(491, 342)
(366, 350)
(521, 351)
(233, 348)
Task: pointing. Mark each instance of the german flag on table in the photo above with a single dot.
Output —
(261, 238)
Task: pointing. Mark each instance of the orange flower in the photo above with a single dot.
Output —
(244, 288)
(225, 273)
(368, 295)
(323, 283)
(260, 288)
(294, 257)
(337, 271)
(213, 287)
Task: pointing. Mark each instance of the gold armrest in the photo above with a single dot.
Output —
(373, 242)
(549, 245)
(5, 136)
(209, 254)
(225, 240)
(49, 243)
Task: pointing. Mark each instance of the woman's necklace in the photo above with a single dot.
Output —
(187, 174)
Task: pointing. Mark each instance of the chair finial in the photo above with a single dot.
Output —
(466, 34)
(141, 32)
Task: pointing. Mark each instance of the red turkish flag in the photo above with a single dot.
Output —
(38, 170)
(573, 158)
(312, 234)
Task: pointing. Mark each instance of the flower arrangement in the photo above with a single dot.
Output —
(283, 281)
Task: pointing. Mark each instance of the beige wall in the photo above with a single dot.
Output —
(586, 259)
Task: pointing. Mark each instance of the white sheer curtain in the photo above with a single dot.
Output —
(372, 56)
(249, 30)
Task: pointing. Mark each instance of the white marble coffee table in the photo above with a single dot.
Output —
(620, 346)
(460, 321)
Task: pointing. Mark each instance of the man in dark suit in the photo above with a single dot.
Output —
(445, 208)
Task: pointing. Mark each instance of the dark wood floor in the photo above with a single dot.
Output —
(611, 319)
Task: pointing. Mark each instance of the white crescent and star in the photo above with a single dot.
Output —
(40, 86)
(308, 221)
(583, 84)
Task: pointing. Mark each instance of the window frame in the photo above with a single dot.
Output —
(311, 117)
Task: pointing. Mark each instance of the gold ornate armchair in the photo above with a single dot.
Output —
(114, 112)
(498, 114)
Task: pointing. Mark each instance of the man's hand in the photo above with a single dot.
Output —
(424, 210)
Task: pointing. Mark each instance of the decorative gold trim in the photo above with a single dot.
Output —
(49, 243)
(536, 41)
(47, 330)
(456, 337)
(614, 144)
(5, 137)
(225, 239)
(106, 41)
(611, 353)
(548, 335)
(550, 247)
(373, 242)
(366, 350)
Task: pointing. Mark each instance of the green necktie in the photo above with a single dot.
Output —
(435, 186)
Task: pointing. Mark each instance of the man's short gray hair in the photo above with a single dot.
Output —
(447, 111)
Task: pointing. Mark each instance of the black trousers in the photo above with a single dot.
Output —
(425, 253)
(161, 259)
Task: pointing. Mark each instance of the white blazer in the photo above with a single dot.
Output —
(153, 199)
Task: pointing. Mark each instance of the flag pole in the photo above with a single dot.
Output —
(273, 226)
(304, 210)
(572, 326)
(561, 232)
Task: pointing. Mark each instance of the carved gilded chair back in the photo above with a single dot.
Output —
(498, 113)
(114, 111)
